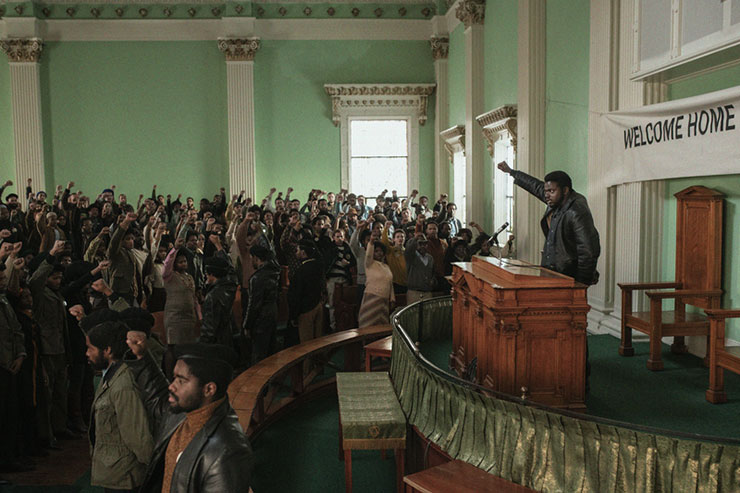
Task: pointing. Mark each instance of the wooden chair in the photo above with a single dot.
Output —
(698, 279)
(721, 357)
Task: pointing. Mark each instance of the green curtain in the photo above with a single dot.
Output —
(542, 450)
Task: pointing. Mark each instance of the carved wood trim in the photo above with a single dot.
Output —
(498, 121)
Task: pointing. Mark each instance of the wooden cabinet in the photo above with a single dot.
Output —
(527, 327)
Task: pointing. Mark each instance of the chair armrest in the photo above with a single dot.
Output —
(684, 293)
(635, 286)
(716, 313)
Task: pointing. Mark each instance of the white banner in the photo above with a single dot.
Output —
(695, 136)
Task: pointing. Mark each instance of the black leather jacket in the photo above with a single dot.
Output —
(571, 240)
(264, 286)
(218, 318)
(219, 459)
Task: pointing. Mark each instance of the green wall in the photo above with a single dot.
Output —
(501, 64)
(7, 159)
(501, 77)
(296, 142)
(729, 185)
(456, 76)
(567, 72)
(135, 114)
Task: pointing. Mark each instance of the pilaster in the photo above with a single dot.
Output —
(639, 206)
(440, 45)
(25, 86)
(240, 53)
(531, 124)
(472, 13)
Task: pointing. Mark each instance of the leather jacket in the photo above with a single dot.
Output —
(571, 240)
(218, 318)
(219, 459)
(264, 286)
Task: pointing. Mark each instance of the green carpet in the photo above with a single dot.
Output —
(301, 453)
(625, 390)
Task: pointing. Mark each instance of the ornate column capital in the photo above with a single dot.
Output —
(22, 49)
(239, 49)
(440, 47)
(471, 12)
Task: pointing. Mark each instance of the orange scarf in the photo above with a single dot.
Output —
(181, 438)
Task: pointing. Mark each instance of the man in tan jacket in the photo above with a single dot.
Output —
(120, 436)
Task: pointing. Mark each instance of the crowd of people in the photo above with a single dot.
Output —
(81, 278)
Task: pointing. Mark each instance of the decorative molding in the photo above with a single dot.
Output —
(345, 96)
(471, 12)
(496, 122)
(220, 2)
(454, 139)
(22, 50)
(210, 29)
(239, 49)
(440, 47)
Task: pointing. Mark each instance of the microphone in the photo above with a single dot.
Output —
(494, 237)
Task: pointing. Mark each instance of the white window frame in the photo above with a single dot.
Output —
(380, 102)
(499, 127)
(680, 53)
(454, 139)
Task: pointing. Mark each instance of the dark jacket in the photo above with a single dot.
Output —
(571, 240)
(264, 286)
(123, 264)
(217, 326)
(306, 287)
(12, 340)
(49, 311)
(219, 459)
(120, 436)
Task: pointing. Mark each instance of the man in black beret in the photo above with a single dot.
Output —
(200, 445)
(217, 325)
(305, 293)
(261, 319)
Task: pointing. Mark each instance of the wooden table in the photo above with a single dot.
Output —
(460, 477)
(378, 349)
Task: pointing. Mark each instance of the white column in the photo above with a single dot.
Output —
(471, 13)
(440, 50)
(25, 87)
(240, 54)
(603, 81)
(639, 206)
(531, 125)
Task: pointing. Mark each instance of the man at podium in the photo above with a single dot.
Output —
(571, 240)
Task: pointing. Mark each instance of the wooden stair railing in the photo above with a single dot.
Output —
(255, 393)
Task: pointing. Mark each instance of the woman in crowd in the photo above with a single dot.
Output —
(378, 297)
(179, 308)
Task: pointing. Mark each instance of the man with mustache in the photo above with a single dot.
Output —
(571, 240)
(119, 428)
(200, 445)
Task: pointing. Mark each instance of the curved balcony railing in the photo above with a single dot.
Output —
(543, 448)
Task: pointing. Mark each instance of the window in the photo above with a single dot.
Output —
(503, 188)
(499, 129)
(459, 189)
(379, 129)
(379, 156)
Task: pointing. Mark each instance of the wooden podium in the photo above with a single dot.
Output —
(527, 327)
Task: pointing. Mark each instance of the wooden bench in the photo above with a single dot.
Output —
(460, 477)
(253, 394)
(381, 348)
(370, 418)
